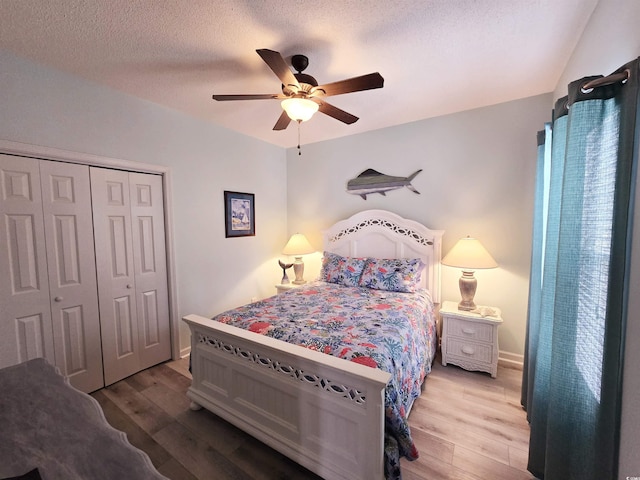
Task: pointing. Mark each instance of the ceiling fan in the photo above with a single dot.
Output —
(301, 95)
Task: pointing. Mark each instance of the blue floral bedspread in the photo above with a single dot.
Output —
(395, 332)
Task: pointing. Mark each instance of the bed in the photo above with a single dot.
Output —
(325, 412)
(50, 430)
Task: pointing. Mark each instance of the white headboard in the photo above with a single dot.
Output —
(382, 234)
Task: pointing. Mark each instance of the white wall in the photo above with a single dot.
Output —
(478, 178)
(41, 106)
(611, 39)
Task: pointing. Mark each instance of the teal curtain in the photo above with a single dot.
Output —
(541, 203)
(574, 350)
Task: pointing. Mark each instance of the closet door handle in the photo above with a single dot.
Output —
(58, 299)
(129, 286)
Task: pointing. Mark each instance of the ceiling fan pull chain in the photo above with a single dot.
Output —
(299, 151)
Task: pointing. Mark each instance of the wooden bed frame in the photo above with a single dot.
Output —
(323, 412)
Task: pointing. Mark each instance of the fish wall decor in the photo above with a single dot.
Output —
(371, 181)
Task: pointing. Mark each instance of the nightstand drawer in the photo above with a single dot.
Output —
(474, 351)
(481, 332)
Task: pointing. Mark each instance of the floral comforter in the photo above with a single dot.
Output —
(395, 332)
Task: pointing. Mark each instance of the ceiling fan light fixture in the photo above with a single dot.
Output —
(299, 109)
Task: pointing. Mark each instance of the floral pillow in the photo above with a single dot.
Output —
(343, 270)
(394, 275)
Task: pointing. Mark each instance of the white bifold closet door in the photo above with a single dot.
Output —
(48, 293)
(25, 319)
(132, 274)
(68, 228)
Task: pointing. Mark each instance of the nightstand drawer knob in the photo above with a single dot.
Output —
(469, 331)
(466, 349)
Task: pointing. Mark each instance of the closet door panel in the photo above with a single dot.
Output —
(125, 344)
(152, 298)
(25, 312)
(68, 224)
(116, 278)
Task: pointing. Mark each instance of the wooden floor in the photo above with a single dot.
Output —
(467, 426)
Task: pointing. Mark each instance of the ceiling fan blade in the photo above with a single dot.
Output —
(265, 96)
(283, 121)
(336, 113)
(355, 84)
(276, 63)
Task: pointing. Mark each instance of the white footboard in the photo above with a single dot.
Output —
(323, 412)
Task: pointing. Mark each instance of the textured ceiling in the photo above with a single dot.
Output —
(436, 56)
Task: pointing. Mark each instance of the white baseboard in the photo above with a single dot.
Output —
(184, 352)
(511, 360)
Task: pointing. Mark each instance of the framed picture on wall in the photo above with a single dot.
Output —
(239, 214)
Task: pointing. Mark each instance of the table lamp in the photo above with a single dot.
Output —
(469, 255)
(297, 246)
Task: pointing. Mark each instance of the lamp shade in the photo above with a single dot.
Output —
(470, 254)
(299, 109)
(298, 245)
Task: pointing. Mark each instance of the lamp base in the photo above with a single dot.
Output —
(464, 306)
(298, 269)
(468, 285)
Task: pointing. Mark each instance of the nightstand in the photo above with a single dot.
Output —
(283, 287)
(470, 340)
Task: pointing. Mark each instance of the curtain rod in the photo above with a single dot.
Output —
(622, 76)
